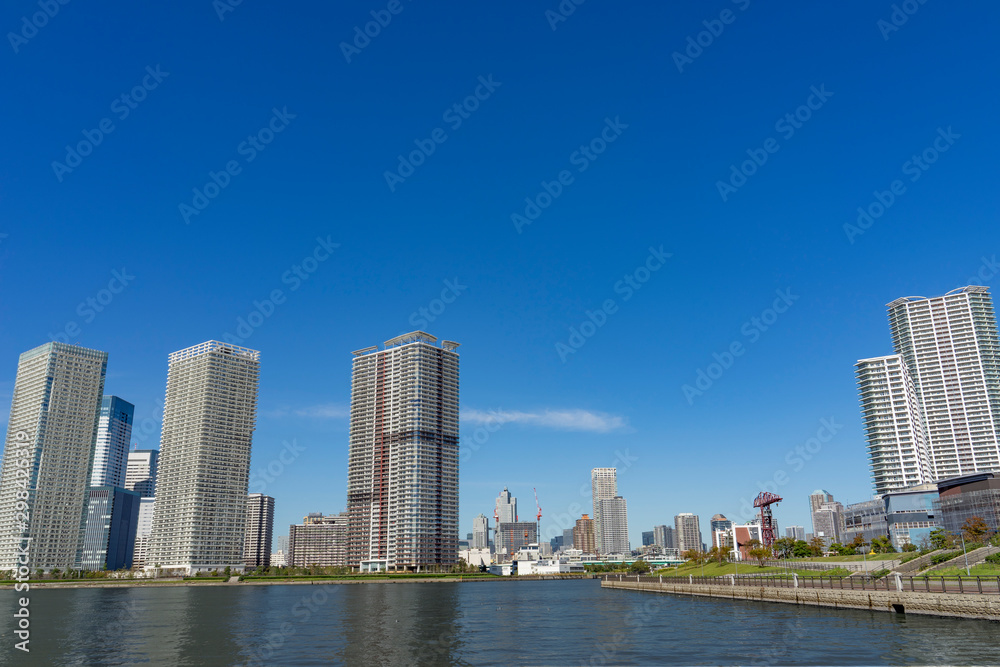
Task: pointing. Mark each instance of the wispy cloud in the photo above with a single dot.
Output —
(560, 420)
(322, 411)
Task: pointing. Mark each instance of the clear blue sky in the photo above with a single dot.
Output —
(672, 127)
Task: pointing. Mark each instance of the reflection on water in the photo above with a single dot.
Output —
(538, 622)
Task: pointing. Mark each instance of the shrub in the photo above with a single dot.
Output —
(993, 558)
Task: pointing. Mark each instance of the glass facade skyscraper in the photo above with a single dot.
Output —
(114, 430)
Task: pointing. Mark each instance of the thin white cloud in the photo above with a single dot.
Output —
(560, 420)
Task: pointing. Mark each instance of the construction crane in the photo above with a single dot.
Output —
(764, 501)
(539, 517)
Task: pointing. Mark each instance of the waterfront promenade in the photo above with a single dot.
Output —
(965, 597)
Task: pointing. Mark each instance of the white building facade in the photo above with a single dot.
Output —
(603, 486)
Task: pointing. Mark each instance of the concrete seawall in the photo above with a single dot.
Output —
(986, 607)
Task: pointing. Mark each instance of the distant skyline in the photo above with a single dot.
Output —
(604, 207)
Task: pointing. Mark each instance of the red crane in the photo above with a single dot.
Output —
(764, 501)
(539, 518)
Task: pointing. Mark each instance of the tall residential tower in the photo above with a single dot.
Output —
(114, 430)
(402, 478)
(48, 454)
(209, 417)
(603, 486)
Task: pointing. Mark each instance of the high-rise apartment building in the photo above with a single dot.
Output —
(583, 535)
(147, 507)
(481, 532)
(663, 536)
(687, 532)
(568, 539)
(109, 536)
(114, 431)
(894, 427)
(950, 347)
(51, 434)
(259, 530)
(319, 541)
(140, 474)
(719, 525)
(614, 525)
(209, 416)
(402, 480)
(604, 486)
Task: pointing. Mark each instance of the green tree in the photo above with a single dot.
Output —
(758, 551)
(940, 539)
(639, 567)
(909, 547)
(857, 543)
(784, 547)
(801, 549)
(882, 545)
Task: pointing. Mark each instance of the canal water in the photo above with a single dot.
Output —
(484, 623)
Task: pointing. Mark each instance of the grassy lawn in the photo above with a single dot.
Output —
(847, 559)
(723, 569)
(984, 570)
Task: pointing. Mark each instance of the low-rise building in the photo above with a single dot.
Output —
(961, 498)
(319, 541)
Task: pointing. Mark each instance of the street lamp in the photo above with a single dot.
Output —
(966, 556)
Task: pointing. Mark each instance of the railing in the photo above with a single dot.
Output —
(926, 584)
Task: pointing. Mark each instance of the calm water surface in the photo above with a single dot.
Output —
(488, 623)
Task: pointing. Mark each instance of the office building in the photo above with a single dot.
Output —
(506, 507)
(719, 524)
(828, 522)
(687, 532)
(320, 541)
(663, 536)
(583, 535)
(51, 431)
(512, 536)
(140, 555)
(567, 542)
(209, 416)
(894, 428)
(259, 530)
(114, 431)
(480, 532)
(402, 484)
(111, 524)
(949, 345)
(556, 543)
(961, 498)
(865, 519)
(140, 473)
(647, 538)
(614, 525)
(795, 533)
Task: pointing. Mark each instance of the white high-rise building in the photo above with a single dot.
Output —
(259, 530)
(614, 526)
(480, 532)
(604, 486)
(147, 507)
(950, 347)
(894, 427)
(114, 430)
(506, 508)
(209, 416)
(48, 453)
(687, 532)
(140, 474)
(402, 479)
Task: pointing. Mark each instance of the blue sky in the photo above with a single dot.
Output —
(582, 153)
